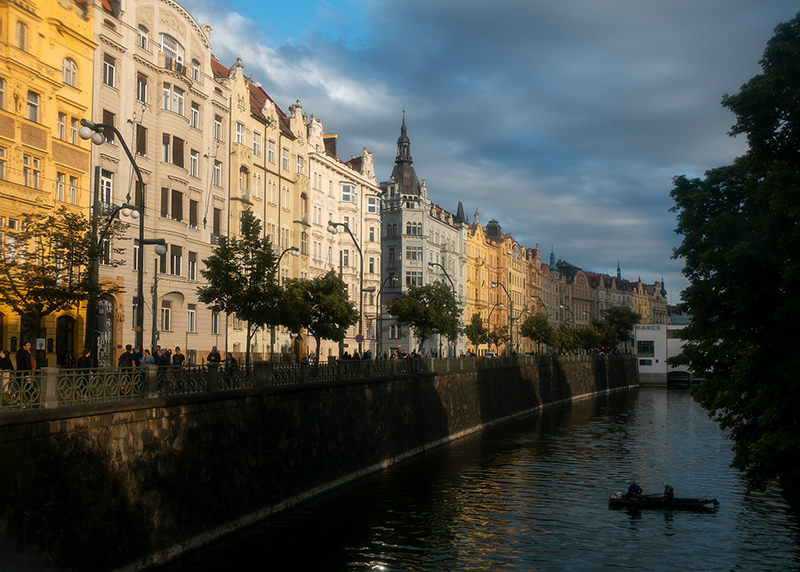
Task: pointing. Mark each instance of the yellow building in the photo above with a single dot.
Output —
(46, 53)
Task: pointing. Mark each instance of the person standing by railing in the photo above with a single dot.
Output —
(6, 369)
(178, 358)
(24, 360)
(126, 359)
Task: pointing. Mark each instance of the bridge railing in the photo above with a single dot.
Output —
(54, 387)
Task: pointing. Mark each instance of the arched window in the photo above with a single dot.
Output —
(70, 72)
(143, 37)
(409, 228)
(304, 243)
(173, 51)
(195, 70)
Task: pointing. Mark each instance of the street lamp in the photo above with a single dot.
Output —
(379, 337)
(160, 250)
(571, 313)
(294, 252)
(127, 210)
(534, 298)
(510, 315)
(332, 228)
(431, 265)
(94, 131)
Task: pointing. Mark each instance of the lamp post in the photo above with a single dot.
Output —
(489, 318)
(90, 338)
(160, 250)
(431, 265)
(571, 313)
(510, 314)
(94, 131)
(534, 298)
(295, 252)
(332, 228)
(379, 337)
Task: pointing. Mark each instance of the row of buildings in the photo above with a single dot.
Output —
(196, 142)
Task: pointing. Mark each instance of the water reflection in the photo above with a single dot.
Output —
(531, 495)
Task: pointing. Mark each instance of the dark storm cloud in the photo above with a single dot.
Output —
(565, 121)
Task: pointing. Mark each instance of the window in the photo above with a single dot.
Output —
(256, 143)
(394, 332)
(141, 87)
(345, 257)
(33, 106)
(194, 163)
(177, 205)
(3, 155)
(166, 98)
(166, 315)
(214, 323)
(69, 72)
(217, 175)
(175, 259)
(109, 118)
(172, 150)
(348, 194)
(109, 70)
(31, 171)
(414, 253)
(218, 128)
(303, 243)
(166, 147)
(164, 202)
(371, 265)
(414, 278)
(216, 222)
(239, 133)
(373, 205)
(60, 182)
(73, 130)
(193, 210)
(372, 234)
(195, 70)
(257, 184)
(192, 266)
(2, 93)
(141, 140)
(62, 126)
(173, 52)
(194, 115)
(106, 188)
(191, 318)
(22, 36)
(73, 190)
(143, 37)
(299, 165)
(646, 348)
(271, 152)
(177, 100)
(285, 159)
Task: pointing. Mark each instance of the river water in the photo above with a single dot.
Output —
(532, 495)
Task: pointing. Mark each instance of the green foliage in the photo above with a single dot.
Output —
(476, 332)
(320, 305)
(565, 338)
(498, 336)
(621, 320)
(44, 266)
(589, 338)
(241, 280)
(538, 329)
(741, 247)
(428, 310)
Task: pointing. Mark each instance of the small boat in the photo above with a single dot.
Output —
(619, 500)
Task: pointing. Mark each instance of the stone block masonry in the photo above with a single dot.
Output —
(130, 485)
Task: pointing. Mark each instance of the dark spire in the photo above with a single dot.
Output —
(403, 173)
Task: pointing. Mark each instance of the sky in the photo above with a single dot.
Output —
(563, 120)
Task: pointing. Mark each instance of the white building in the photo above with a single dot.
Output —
(655, 343)
(421, 243)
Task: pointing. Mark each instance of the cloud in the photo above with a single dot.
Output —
(565, 121)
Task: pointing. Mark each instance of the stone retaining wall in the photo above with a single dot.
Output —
(130, 485)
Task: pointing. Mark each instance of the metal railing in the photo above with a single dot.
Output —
(51, 388)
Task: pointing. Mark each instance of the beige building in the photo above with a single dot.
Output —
(155, 80)
(46, 51)
(345, 193)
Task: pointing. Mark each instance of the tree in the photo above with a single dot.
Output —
(476, 332)
(241, 278)
(319, 305)
(622, 320)
(538, 329)
(589, 338)
(741, 249)
(428, 310)
(565, 338)
(498, 336)
(44, 266)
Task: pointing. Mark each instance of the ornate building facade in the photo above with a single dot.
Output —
(46, 52)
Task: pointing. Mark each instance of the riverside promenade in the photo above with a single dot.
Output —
(125, 469)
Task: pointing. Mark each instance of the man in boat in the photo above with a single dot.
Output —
(634, 491)
(669, 494)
